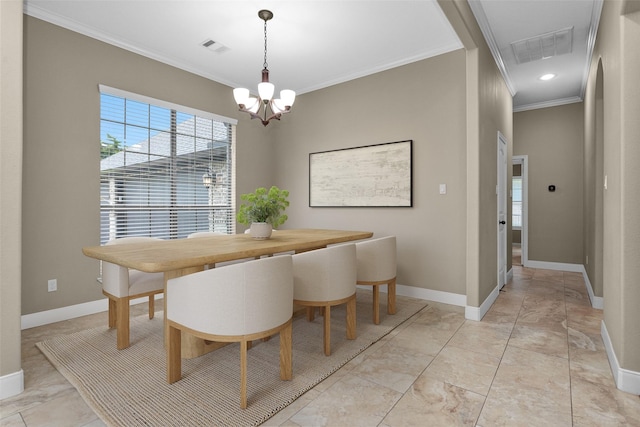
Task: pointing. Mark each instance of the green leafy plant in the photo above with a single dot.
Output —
(264, 206)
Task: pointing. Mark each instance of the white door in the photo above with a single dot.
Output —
(501, 190)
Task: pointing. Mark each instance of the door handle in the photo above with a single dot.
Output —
(503, 222)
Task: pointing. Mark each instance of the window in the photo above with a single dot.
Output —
(517, 202)
(165, 170)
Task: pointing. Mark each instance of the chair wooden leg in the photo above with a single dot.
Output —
(391, 289)
(376, 304)
(351, 318)
(311, 313)
(112, 313)
(122, 322)
(286, 350)
(174, 356)
(327, 330)
(152, 309)
(243, 374)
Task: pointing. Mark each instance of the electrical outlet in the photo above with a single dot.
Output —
(52, 285)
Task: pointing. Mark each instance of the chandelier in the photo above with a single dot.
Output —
(252, 105)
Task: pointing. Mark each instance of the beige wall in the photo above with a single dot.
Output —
(593, 179)
(61, 151)
(10, 186)
(617, 50)
(552, 138)
(489, 110)
(423, 101)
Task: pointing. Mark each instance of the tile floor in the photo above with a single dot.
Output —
(536, 359)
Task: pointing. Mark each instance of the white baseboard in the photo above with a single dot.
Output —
(546, 265)
(472, 313)
(11, 384)
(477, 313)
(596, 302)
(425, 294)
(432, 295)
(626, 380)
(510, 275)
(71, 312)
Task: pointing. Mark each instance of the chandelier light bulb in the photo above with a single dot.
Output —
(241, 95)
(288, 97)
(265, 90)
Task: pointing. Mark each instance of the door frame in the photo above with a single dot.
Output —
(502, 187)
(523, 160)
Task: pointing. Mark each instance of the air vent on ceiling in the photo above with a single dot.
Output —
(214, 46)
(543, 46)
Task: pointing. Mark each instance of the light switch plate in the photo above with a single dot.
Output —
(443, 188)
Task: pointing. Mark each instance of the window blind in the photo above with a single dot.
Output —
(165, 170)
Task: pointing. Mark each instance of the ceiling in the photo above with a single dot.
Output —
(316, 44)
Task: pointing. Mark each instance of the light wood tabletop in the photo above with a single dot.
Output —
(178, 254)
(180, 257)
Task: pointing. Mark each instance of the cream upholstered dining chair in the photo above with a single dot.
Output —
(236, 303)
(377, 261)
(326, 278)
(122, 284)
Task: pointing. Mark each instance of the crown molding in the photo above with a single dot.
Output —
(547, 104)
(483, 23)
(596, 12)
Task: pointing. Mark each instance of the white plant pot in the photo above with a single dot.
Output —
(261, 230)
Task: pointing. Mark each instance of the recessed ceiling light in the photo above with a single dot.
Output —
(546, 77)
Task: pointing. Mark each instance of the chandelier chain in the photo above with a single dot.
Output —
(265, 65)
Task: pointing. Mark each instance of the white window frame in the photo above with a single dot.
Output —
(215, 203)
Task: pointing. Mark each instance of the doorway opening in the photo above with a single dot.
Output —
(519, 210)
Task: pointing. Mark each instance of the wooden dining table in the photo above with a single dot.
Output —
(179, 257)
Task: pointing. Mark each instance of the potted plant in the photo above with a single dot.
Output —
(263, 210)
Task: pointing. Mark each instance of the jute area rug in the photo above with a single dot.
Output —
(129, 387)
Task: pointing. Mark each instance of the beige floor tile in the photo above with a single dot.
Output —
(14, 420)
(540, 340)
(465, 369)
(529, 389)
(584, 318)
(577, 296)
(352, 401)
(588, 356)
(543, 313)
(394, 367)
(549, 275)
(482, 337)
(431, 402)
(505, 309)
(597, 405)
(68, 411)
(282, 417)
(500, 317)
(423, 339)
